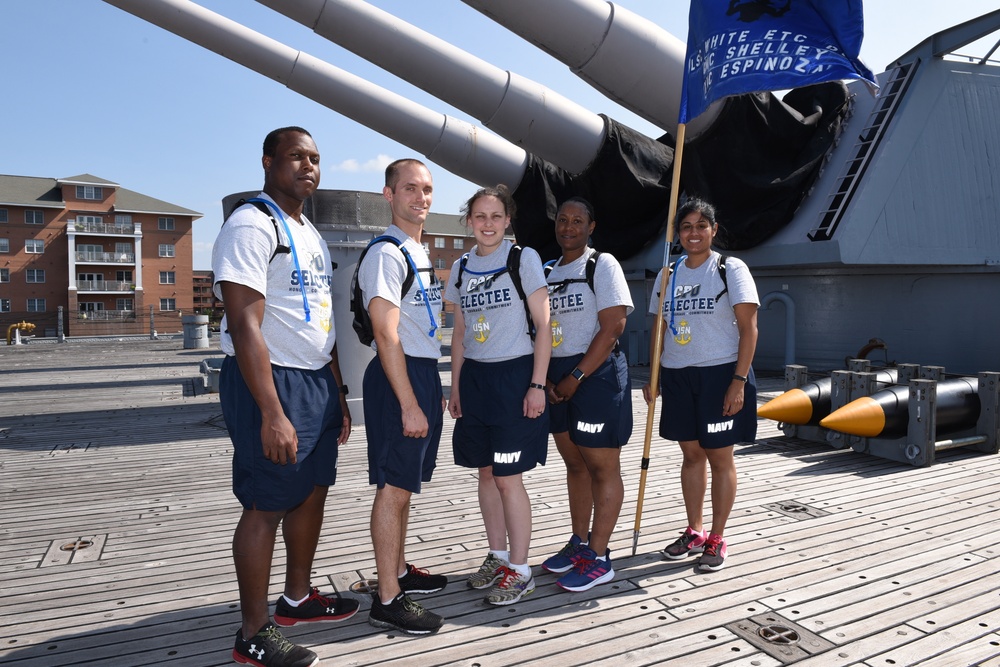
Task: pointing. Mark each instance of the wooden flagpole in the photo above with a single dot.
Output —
(654, 361)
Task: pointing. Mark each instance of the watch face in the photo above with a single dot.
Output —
(577, 374)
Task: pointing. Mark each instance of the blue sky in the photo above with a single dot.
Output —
(92, 89)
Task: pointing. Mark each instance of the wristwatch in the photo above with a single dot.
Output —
(578, 375)
(741, 378)
(343, 390)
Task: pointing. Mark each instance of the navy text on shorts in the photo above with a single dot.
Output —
(692, 406)
(493, 430)
(600, 412)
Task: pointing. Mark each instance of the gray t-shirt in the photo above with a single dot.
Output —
(574, 308)
(242, 255)
(381, 275)
(706, 329)
(496, 328)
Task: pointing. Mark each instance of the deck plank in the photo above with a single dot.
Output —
(118, 444)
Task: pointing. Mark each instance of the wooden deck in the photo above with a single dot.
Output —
(115, 444)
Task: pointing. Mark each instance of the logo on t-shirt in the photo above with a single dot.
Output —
(683, 336)
(481, 329)
(557, 334)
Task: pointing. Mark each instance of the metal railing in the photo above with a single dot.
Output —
(106, 315)
(104, 286)
(106, 257)
(104, 228)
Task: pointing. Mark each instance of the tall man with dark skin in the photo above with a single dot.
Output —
(281, 394)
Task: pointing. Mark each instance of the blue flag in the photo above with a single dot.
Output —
(747, 46)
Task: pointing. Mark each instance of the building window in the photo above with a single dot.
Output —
(3, 215)
(427, 248)
(439, 263)
(123, 277)
(34, 275)
(124, 304)
(4, 275)
(166, 250)
(89, 192)
(165, 224)
(123, 218)
(4, 245)
(458, 244)
(439, 242)
(167, 278)
(34, 218)
(168, 304)
(36, 305)
(88, 219)
(34, 246)
(4, 305)
(90, 306)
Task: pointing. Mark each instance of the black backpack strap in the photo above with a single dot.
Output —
(461, 268)
(279, 248)
(592, 268)
(514, 267)
(722, 274)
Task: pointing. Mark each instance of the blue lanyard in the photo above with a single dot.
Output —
(295, 255)
(426, 296)
(673, 291)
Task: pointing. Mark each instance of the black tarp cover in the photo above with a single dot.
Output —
(756, 163)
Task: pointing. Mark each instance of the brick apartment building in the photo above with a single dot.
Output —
(114, 259)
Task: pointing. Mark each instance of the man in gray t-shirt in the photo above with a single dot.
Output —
(403, 399)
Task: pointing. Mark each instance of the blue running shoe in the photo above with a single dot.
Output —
(563, 561)
(588, 571)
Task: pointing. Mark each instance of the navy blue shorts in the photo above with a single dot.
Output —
(692, 406)
(311, 401)
(600, 412)
(493, 430)
(393, 458)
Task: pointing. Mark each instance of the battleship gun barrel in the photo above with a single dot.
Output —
(458, 146)
(625, 56)
(522, 111)
(886, 413)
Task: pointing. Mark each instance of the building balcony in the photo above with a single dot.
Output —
(107, 315)
(105, 258)
(104, 229)
(104, 286)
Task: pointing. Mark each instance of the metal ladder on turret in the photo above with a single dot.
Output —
(864, 149)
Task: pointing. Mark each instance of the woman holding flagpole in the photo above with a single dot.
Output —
(709, 394)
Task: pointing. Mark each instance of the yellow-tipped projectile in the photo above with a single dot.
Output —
(792, 407)
(863, 416)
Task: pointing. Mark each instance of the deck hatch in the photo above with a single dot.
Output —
(795, 509)
(780, 638)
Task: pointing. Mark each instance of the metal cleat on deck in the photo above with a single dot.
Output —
(211, 368)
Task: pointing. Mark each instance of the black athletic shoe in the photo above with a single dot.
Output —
(403, 614)
(269, 648)
(421, 581)
(315, 608)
